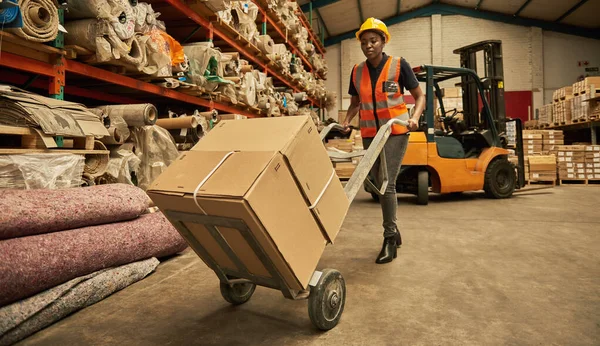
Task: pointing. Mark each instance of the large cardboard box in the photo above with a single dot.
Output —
(256, 187)
(297, 140)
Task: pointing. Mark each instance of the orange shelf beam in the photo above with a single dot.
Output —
(114, 78)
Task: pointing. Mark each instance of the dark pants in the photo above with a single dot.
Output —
(394, 148)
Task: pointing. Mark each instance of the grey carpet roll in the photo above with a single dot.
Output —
(29, 212)
(23, 318)
(29, 265)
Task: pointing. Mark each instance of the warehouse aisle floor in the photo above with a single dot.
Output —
(472, 271)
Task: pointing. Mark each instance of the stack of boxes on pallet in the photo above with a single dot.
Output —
(571, 104)
(582, 105)
(561, 107)
(592, 162)
(354, 143)
(571, 162)
(539, 148)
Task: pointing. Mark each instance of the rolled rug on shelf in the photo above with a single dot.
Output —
(29, 265)
(30, 212)
(95, 164)
(265, 44)
(137, 115)
(88, 9)
(186, 122)
(40, 21)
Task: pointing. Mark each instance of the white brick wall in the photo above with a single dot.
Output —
(535, 60)
(459, 31)
(561, 56)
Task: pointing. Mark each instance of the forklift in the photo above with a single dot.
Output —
(469, 151)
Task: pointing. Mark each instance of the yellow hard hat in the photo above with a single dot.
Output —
(374, 24)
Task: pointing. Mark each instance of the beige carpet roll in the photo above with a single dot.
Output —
(96, 164)
(265, 44)
(118, 130)
(137, 115)
(40, 20)
(187, 122)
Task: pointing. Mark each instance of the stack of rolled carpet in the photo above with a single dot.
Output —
(57, 248)
(139, 150)
(124, 33)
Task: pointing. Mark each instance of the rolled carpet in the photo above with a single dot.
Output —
(40, 20)
(23, 318)
(29, 212)
(30, 265)
(137, 115)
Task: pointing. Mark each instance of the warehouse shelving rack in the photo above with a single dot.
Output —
(49, 68)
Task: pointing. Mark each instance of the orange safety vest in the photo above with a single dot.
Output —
(387, 105)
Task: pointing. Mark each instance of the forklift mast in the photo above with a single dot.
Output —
(492, 80)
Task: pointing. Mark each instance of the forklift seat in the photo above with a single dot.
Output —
(449, 148)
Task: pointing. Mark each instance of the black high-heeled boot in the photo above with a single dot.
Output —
(388, 252)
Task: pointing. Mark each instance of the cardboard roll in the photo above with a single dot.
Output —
(185, 122)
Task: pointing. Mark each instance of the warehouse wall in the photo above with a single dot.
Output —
(561, 56)
(533, 60)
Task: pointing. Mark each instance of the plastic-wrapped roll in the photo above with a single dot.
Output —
(211, 115)
(118, 130)
(10, 16)
(135, 115)
(186, 122)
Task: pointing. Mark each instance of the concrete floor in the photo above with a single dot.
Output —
(472, 271)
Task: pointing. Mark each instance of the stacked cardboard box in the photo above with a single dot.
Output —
(562, 112)
(592, 162)
(571, 162)
(551, 139)
(542, 168)
(586, 86)
(273, 177)
(533, 142)
(545, 115)
(581, 108)
(341, 144)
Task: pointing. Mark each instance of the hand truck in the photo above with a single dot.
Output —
(326, 291)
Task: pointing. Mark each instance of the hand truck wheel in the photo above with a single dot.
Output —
(326, 300)
(237, 294)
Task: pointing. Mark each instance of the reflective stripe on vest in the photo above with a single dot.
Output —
(387, 105)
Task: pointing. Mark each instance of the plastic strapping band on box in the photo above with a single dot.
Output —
(208, 177)
(323, 191)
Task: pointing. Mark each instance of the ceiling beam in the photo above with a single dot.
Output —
(478, 6)
(522, 8)
(360, 12)
(571, 10)
(445, 9)
(317, 4)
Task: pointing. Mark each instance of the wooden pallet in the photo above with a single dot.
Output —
(540, 182)
(580, 182)
(29, 138)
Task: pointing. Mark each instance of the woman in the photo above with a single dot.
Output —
(377, 86)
